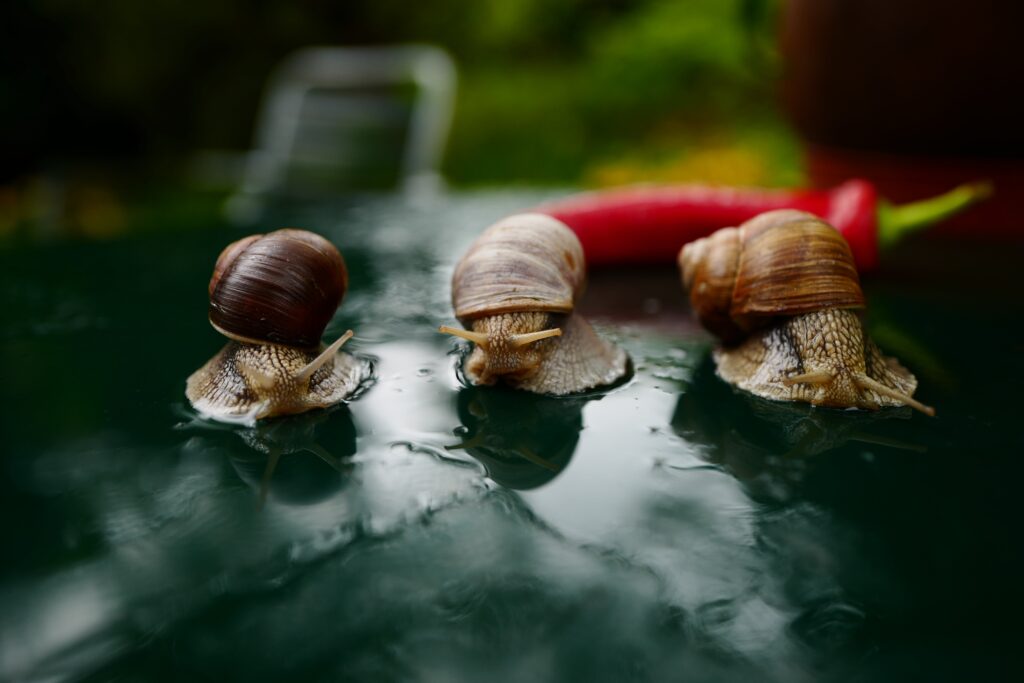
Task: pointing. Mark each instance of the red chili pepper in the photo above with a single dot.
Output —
(649, 225)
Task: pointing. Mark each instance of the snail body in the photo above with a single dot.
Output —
(782, 293)
(272, 295)
(514, 291)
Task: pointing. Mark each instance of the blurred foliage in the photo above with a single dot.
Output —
(550, 91)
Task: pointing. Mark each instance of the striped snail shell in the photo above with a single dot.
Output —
(514, 291)
(781, 292)
(273, 295)
(740, 279)
(281, 288)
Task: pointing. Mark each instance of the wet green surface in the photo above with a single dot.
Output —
(669, 529)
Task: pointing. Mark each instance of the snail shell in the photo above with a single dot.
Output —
(281, 288)
(781, 292)
(272, 295)
(514, 291)
(740, 279)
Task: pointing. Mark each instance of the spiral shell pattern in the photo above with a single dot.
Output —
(780, 263)
(279, 288)
(526, 262)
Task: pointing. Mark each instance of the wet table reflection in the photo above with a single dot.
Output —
(666, 528)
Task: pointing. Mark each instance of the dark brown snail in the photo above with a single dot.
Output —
(514, 292)
(781, 291)
(272, 295)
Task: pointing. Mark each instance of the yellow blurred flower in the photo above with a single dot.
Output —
(715, 165)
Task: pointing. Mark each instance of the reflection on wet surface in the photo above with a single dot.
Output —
(522, 441)
(768, 444)
(298, 480)
(668, 528)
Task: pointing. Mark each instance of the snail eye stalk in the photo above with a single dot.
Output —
(519, 340)
(865, 382)
(478, 338)
(808, 378)
(305, 373)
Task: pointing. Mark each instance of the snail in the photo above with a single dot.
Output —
(782, 292)
(514, 291)
(272, 296)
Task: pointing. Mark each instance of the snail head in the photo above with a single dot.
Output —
(506, 345)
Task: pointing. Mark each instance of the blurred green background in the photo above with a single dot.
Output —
(107, 104)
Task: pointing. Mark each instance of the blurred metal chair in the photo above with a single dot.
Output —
(340, 120)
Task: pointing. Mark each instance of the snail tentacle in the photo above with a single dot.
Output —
(865, 382)
(809, 378)
(478, 338)
(518, 340)
(306, 373)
